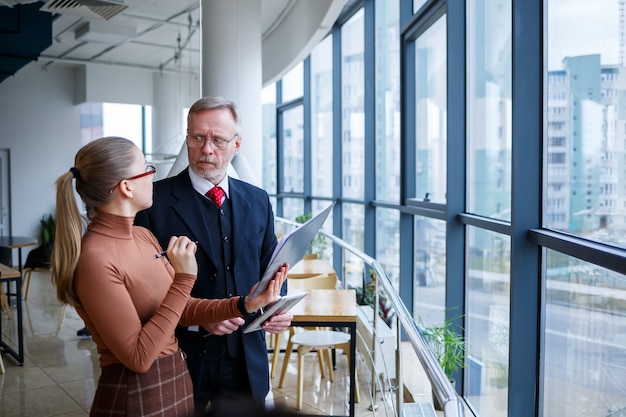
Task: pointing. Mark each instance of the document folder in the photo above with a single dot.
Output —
(292, 247)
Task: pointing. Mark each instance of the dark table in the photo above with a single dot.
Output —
(12, 275)
(17, 242)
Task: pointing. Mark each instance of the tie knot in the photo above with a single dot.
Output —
(216, 194)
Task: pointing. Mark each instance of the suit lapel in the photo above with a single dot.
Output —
(242, 210)
(190, 212)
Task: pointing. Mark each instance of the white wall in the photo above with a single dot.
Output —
(40, 125)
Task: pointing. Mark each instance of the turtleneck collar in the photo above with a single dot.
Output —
(112, 225)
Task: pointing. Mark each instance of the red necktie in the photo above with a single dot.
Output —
(216, 194)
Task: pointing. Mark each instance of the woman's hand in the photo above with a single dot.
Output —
(271, 293)
(181, 252)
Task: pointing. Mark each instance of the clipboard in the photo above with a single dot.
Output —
(292, 247)
(282, 304)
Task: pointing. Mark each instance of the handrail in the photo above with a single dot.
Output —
(452, 406)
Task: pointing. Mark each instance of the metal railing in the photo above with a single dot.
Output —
(442, 389)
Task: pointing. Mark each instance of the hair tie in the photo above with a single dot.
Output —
(75, 172)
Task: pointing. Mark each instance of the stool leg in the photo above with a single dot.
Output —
(277, 341)
(300, 385)
(331, 372)
(26, 281)
(1, 365)
(320, 360)
(286, 359)
(4, 303)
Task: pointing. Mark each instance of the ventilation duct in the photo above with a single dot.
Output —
(99, 9)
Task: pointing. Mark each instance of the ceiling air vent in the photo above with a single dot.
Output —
(100, 9)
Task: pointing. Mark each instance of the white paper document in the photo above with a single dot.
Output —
(292, 247)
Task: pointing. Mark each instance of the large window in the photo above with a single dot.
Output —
(353, 111)
(268, 103)
(489, 108)
(322, 119)
(496, 200)
(585, 194)
(586, 135)
(584, 372)
(431, 113)
(487, 321)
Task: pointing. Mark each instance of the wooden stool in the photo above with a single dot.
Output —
(321, 341)
(4, 302)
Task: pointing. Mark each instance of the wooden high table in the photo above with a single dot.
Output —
(331, 308)
(306, 268)
(17, 242)
(12, 275)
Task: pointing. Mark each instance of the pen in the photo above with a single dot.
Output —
(164, 253)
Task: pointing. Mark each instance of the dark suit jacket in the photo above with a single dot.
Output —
(177, 211)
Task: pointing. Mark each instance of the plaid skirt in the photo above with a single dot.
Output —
(164, 391)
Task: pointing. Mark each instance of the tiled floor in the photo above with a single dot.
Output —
(57, 378)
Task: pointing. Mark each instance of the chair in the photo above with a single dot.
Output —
(322, 281)
(4, 302)
(26, 278)
(38, 260)
(307, 340)
(5, 258)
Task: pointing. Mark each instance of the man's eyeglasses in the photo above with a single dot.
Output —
(197, 141)
(150, 169)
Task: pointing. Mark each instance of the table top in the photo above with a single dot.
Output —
(309, 267)
(7, 272)
(15, 242)
(330, 306)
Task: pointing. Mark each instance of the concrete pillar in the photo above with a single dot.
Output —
(232, 68)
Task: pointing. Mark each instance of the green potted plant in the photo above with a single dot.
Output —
(48, 228)
(40, 256)
(448, 346)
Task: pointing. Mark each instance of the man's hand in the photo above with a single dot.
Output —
(221, 328)
(278, 322)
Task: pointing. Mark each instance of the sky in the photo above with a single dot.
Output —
(581, 27)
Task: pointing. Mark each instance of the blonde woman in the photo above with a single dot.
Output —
(129, 299)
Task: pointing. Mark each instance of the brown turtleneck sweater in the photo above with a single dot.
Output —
(131, 302)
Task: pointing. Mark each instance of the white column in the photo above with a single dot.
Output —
(232, 68)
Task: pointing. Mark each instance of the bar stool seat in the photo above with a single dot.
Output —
(321, 341)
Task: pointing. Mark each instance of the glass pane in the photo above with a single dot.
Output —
(417, 4)
(388, 243)
(487, 322)
(292, 208)
(353, 233)
(489, 108)
(268, 103)
(123, 120)
(585, 136)
(293, 150)
(352, 102)
(293, 84)
(429, 279)
(388, 101)
(585, 339)
(322, 119)
(324, 244)
(90, 122)
(431, 113)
